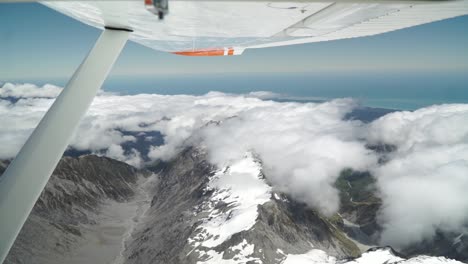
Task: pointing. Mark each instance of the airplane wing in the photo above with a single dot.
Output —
(193, 28)
(216, 28)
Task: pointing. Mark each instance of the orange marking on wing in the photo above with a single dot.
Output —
(204, 52)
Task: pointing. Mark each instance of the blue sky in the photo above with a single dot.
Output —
(33, 36)
(41, 45)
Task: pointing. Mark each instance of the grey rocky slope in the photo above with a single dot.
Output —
(98, 210)
(68, 218)
(174, 233)
(83, 193)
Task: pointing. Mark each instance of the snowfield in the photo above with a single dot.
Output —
(379, 256)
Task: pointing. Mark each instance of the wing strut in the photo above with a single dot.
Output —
(27, 175)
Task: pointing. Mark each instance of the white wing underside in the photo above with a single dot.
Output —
(238, 25)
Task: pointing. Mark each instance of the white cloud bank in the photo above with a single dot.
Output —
(27, 90)
(303, 147)
(424, 184)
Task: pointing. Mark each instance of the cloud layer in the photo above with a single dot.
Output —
(28, 90)
(303, 147)
(424, 184)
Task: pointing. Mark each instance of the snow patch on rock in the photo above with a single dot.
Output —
(314, 256)
(243, 254)
(378, 256)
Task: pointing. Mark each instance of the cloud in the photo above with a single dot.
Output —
(425, 181)
(303, 147)
(117, 152)
(29, 90)
(265, 95)
(18, 121)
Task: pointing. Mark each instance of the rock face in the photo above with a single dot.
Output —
(359, 205)
(71, 207)
(162, 236)
(3, 166)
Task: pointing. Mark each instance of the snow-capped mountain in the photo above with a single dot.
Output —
(236, 192)
(204, 214)
(98, 210)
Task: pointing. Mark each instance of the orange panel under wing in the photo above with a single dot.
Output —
(208, 52)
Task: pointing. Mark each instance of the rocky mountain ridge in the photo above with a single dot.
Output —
(95, 209)
(81, 211)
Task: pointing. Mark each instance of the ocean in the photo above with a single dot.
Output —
(403, 91)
